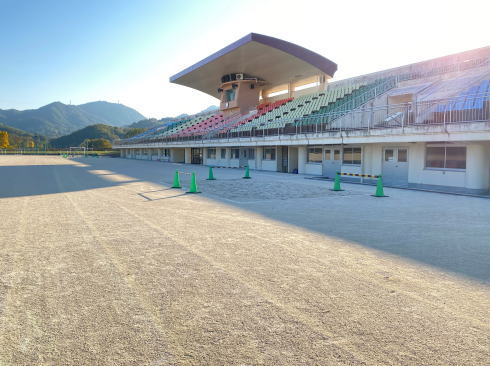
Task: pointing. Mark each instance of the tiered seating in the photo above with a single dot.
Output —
(469, 105)
(472, 98)
(349, 102)
(201, 127)
(298, 108)
(179, 126)
(262, 110)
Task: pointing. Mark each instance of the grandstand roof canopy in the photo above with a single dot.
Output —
(270, 59)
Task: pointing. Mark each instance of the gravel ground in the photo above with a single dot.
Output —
(102, 264)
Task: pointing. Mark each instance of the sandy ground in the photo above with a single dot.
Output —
(102, 264)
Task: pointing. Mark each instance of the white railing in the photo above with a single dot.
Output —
(441, 112)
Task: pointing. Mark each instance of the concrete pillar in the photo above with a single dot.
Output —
(205, 156)
(159, 154)
(292, 158)
(259, 150)
(301, 159)
(187, 155)
(477, 174)
(228, 156)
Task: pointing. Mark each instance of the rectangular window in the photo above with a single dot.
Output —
(230, 95)
(336, 154)
(446, 157)
(223, 153)
(269, 153)
(235, 153)
(251, 154)
(328, 154)
(389, 155)
(211, 153)
(314, 155)
(352, 155)
(402, 155)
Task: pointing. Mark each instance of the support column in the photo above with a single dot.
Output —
(301, 159)
(187, 155)
(259, 150)
(204, 156)
(477, 175)
(228, 156)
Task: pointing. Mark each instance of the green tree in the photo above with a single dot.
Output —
(97, 144)
(4, 139)
(133, 132)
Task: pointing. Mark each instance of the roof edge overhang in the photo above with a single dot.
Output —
(323, 64)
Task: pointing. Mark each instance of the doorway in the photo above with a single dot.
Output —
(196, 155)
(332, 162)
(395, 166)
(243, 158)
(284, 159)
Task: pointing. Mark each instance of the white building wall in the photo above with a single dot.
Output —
(187, 155)
(301, 159)
(269, 165)
(313, 168)
(258, 157)
(212, 162)
(477, 166)
(476, 176)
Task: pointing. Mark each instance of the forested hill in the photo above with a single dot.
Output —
(57, 119)
(98, 131)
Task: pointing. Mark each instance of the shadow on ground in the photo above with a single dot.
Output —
(17, 181)
(447, 232)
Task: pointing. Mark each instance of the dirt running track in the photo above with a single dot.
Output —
(102, 265)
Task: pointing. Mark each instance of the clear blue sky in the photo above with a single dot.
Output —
(81, 51)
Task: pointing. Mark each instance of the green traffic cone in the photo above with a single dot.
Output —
(193, 187)
(336, 183)
(379, 188)
(176, 180)
(247, 173)
(211, 175)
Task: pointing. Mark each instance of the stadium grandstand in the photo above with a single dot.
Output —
(419, 125)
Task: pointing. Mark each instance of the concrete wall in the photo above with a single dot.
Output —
(476, 176)
(177, 155)
(187, 155)
(269, 165)
(301, 159)
(313, 168)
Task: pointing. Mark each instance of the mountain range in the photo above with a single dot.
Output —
(58, 119)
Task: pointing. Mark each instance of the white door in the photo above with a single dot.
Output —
(331, 162)
(395, 166)
(243, 158)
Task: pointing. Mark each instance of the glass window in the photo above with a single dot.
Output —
(314, 155)
(223, 153)
(445, 157)
(352, 155)
(235, 153)
(435, 157)
(455, 157)
(211, 153)
(402, 155)
(328, 154)
(269, 153)
(356, 155)
(336, 154)
(230, 95)
(251, 154)
(389, 155)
